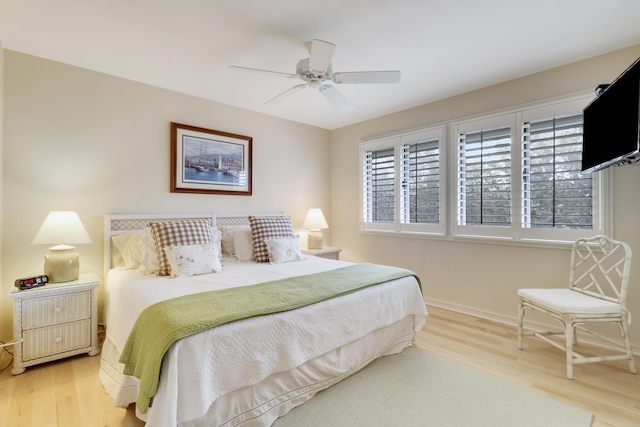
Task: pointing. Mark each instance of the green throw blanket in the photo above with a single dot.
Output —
(162, 324)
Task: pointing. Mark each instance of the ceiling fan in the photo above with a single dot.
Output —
(316, 72)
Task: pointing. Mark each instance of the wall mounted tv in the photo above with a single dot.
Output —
(611, 123)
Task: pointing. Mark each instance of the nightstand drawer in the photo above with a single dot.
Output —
(56, 339)
(39, 312)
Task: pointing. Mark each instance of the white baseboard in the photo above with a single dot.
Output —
(513, 321)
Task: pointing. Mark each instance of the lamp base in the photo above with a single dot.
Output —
(314, 240)
(62, 264)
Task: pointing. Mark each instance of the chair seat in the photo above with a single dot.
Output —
(567, 301)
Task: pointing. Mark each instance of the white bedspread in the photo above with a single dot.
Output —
(196, 373)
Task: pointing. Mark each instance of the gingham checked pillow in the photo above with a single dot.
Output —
(177, 233)
(268, 227)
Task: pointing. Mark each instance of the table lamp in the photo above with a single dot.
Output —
(62, 264)
(315, 221)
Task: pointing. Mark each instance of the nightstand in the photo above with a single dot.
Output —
(329, 253)
(55, 321)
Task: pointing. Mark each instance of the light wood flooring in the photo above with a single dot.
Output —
(68, 393)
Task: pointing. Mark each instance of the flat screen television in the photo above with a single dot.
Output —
(611, 123)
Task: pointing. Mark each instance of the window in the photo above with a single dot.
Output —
(518, 176)
(557, 201)
(514, 176)
(379, 202)
(555, 194)
(401, 182)
(421, 183)
(484, 183)
(484, 177)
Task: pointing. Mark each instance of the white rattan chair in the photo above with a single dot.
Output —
(597, 292)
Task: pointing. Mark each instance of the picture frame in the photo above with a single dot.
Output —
(206, 161)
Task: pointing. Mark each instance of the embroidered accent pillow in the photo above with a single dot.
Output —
(284, 250)
(268, 227)
(178, 233)
(191, 260)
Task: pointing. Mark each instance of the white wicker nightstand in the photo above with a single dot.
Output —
(329, 253)
(55, 321)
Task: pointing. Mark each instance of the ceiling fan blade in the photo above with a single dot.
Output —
(287, 93)
(336, 98)
(320, 55)
(366, 77)
(257, 70)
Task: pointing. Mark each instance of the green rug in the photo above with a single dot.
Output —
(416, 389)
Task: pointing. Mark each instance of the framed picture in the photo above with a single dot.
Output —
(209, 162)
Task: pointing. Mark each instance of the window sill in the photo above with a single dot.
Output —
(483, 240)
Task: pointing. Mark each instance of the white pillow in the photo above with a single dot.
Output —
(127, 246)
(237, 240)
(285, 249)
(191, 260)
(216, 235)
(226, 241)
(149, 256)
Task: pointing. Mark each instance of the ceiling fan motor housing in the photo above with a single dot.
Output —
(307, 74)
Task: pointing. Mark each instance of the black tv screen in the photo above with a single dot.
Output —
(611, 122)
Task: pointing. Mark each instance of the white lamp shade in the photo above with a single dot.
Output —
(61, 227)
(315, 220)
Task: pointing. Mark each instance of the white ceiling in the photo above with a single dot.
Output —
(442, 47)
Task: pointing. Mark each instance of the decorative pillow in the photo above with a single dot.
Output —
(178, 233)
(191, 260)
(130, 251)
(268, 227)
(284, 250)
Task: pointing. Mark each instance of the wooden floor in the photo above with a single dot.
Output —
(608, 390)
(68, 393)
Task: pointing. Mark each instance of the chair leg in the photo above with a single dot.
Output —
(627, 346)
(520, 324)
(568, 334)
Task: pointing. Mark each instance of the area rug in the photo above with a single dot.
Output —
(416, 389)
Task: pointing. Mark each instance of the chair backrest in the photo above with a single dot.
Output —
(600, 268)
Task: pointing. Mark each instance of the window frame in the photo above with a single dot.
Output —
(377, 145)
(600, 181)
(398, 142)
(486, 123)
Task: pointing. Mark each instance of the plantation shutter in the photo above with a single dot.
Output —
(555, 194)
(379, 183)
(421, 183)
(484, 177)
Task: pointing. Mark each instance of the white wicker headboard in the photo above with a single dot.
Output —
(118, 224)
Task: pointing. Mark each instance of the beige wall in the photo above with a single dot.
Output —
(84, 141)
(472, 277)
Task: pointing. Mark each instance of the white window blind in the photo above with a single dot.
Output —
(421, 183)
(484, 177)
(555, 194)
(379, 185)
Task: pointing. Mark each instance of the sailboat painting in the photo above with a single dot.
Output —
(210, 162)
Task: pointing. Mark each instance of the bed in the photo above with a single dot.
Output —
(250, 371)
